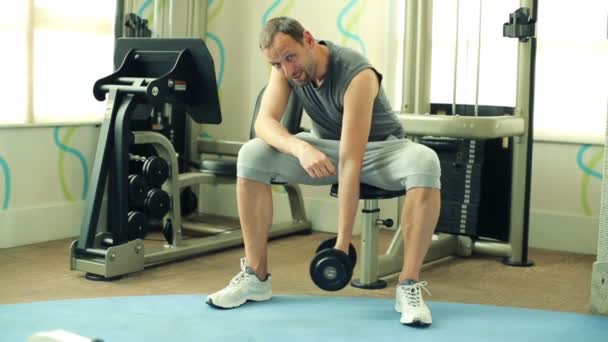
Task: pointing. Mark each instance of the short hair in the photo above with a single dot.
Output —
(286, 25)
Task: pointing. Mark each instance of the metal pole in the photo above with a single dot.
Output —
(369, 243)
(478, 63)
(456, 57)
(423, 57)
(522, 149)
(409, 56)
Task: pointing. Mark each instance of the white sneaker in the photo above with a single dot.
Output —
(245, 286)
(411, 305)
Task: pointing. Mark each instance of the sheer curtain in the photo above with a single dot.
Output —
(13, 90)
(572, 69)
(56, 49)
(498, 55)
(571, 63)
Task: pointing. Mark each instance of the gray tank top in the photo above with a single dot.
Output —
(325, 104)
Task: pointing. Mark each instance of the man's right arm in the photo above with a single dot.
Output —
(268, 125)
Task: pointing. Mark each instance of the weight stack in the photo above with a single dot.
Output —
(461, 168)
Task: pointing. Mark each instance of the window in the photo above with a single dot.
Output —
(571, 71)
(13, 89)
(571, 63)
(497, 60)
(62, 47)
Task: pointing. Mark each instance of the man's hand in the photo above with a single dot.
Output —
(315, 162)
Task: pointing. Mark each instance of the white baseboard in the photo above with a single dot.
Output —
(26, 226)
(563, 232)
(32, 225)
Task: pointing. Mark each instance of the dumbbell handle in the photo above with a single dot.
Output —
(387, 223)
(136, 157)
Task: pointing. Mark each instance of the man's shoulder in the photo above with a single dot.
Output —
(344, 53)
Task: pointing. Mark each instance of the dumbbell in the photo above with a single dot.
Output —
(137, 225)
(188, 201)
(331, 269)
(168, 231)
(138, 190)
(155, 169)
(155, 224)
(156, 203)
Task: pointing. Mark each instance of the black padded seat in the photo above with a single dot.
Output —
(292, 118)
(219, 167)
(369, 192)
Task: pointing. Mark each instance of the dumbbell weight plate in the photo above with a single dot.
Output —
(138, 190)
(156, 171)
(168, 232)
(188, 201)
(137, 225)
(155, 224)
(135, 167)
(330, 243)
(157, 203)
(331, 269)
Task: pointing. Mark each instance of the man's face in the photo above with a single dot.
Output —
(295, 60)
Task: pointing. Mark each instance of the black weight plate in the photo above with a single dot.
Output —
(188, 202)
(330, 243)
(156, 171)
(331, 270)
(138, 190)
(352, 254)
(137, 225)
(155, 224)
(168, 232)
(157, 203)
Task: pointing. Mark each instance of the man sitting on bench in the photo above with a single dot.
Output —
(356, 138)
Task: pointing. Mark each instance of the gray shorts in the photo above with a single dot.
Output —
(392, 164)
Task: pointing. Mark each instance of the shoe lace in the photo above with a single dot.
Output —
(413, 293)
(237, 279)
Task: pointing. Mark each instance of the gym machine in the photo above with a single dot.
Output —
(514, 126)
(180, 74)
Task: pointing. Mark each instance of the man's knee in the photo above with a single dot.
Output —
(424, 171)
(254, 150)
(428, 162)
(256, 161)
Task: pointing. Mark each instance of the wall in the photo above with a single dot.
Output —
(44, 177)
(565, 197)
(42, 168)
(42, 186)
(232, 37)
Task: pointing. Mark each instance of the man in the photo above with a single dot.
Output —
(355, 138)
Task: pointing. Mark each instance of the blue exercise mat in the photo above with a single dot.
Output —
(289, 318)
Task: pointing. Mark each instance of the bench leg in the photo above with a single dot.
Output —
(369, 248)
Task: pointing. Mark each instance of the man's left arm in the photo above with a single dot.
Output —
(356, 122)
